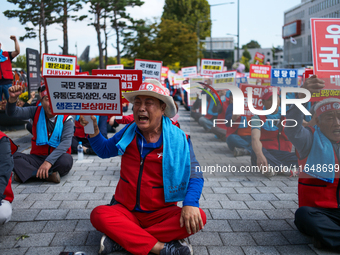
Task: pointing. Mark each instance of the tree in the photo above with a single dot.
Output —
(63, 8)
(20, 62)
(120, 18)
(194, 13)
(251, 45)
(36, 12)
(246, 54)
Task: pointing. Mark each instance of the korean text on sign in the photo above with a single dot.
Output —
(189, 71)
(211, 66)
(256, 97)
(326, 50)
(284, 77)
(59, 65)
(151, 69)
(84, 95)
(220, 80)
(259, 71)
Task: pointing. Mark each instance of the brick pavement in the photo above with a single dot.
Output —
(247, 213)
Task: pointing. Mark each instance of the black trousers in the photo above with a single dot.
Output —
(27, 165)
(321, 223)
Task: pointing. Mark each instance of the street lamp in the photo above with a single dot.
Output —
(238, 39)
(210, 5)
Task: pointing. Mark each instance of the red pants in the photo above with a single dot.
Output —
(138, 232)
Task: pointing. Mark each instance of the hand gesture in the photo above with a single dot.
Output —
(262, 162)
(314, 84)
(191, 219)
(14, 93)
(42, 172)
(13, 37)
(84, 122)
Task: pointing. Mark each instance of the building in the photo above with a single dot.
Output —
(297, 25)
(222, 48)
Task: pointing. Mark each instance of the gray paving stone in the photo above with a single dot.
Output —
(295, 249)
(224, 214)
(105, 190)
(217, 226)
(39, 197)
(94, 238)
(65, 196)
(90, 196)
(44, 250)
(237, 239)
(92, 204)
(24, 214)
(7, 228)
(246, 190)
(73, 204)
(285, 205)
(28, 227)
(257, 250)
(78, 214)
(19, 204)
(259, 205)
(86, 189)
(60, 226)
(20, 197)
(205, 238)
(274, 225)
(252, 183)
(69, 238)
(210, 204)
(244, 225)
(75, 184)
(90, 177)
(264, 197)
(252, 214)
(46, 204)
(40, 239)
(210, 197)
(269, 238)
(272, 183)
(104, 172)
(57, 214)
(207, 213)
(289, 189)
(322, 251)
(288, 196)
(224, 190)
(201, 250)
(279, 214)
(212, 184)
(84, 225)
(274, 190)
(31, 190)
(104, 183)
(14, 251)
(240, 197)
(58, 189)
(8, 241)
(295, 237)
(90, 250)
(233, 205)
(225, 250)
(230, 184)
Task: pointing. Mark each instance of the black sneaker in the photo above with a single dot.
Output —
(107, 245)
(179, 247)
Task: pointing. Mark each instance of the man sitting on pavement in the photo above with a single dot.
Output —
(271, 147)
(7, 148)
(158, 169)
(318, 151)
(52, 136)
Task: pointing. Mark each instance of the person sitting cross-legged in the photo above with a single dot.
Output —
(158, 169)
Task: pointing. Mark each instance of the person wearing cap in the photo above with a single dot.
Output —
(158, 169)
(7, 148)
(51, 142)
(271, 147)
(6, 75)
(318, 151)
(239, 133)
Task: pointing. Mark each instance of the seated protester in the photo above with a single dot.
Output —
(158, 169)
(318, 151)
(238, 135)
(111, 124)
(51, 142)
(269, 141)
(7, 148)
(195, 112)
(184, 95)
(220, 130)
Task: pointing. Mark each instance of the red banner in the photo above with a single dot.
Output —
(259, 57)
(259, 71)
(256, 99)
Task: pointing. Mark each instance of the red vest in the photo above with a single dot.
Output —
(8, 190)
(317, 193)
(275, 140)
(79, 130)
(141, 183)
(221, 116)
(6, 67)
(43, 150)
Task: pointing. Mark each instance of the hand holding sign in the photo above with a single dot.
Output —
(90, 128)
(314, 84)
(14, 93)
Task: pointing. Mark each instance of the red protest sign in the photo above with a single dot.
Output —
(165, 71)
(259, 57)
(256, 99)
(130, 79)
(325, 43)
(259, 71)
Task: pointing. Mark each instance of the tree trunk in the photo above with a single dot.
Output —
(105, 33)
(117, 36)
(65, 47)
(98, 10)
(43, 21)
(40, 41)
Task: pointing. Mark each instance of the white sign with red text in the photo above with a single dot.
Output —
(115, 67)
(151, 69)
(211, 66)
(58, 65)
(220, 80)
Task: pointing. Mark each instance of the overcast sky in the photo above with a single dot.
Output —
(260, 20)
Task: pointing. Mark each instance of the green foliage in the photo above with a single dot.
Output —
(246, 54)
(194, 13)
(251, 45)
(21, 62)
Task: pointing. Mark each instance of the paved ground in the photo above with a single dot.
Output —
(247, 212)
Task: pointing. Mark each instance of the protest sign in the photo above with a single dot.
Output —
(33, 70)
(115, 67)
(58, 65)
(130, 79)
(284, 77)
(220, 80)
(84, 95)
(189, 71)
(241, 80)
(325, 35)
(259, 71)
(256, 97)
(151, 69)
(210, 66)
(259, 58)
(164, 74)
(83, 73)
